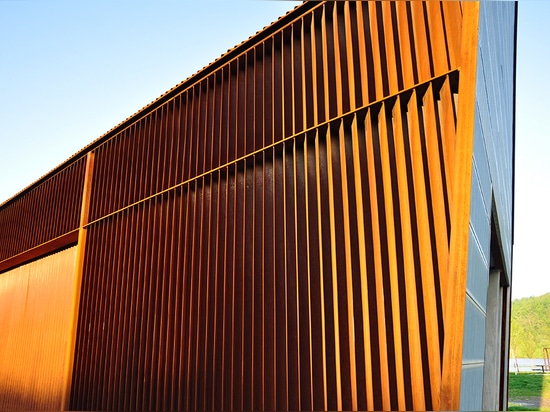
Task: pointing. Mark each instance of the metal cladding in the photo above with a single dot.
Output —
(44, 212)
(35, 307)
(277, 232)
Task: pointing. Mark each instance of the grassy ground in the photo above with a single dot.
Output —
(529, 391)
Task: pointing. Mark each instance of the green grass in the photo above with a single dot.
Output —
(529, 384)
(525, 386)
(519, 408)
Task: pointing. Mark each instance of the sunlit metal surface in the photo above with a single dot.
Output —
(288, 229)
(35, 312)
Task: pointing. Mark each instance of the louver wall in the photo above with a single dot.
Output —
(277, 231)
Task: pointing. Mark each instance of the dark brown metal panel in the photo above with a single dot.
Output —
(268, 303)
(43, 214)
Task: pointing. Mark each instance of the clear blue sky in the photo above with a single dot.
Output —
(72, 70)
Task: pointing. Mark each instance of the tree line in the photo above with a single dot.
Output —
(530, 326)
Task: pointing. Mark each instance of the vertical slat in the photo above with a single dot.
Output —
(349, 269)
(287, 68)
(271, 270)
(202, 276)
(201, 137)
(460, 211)
(94, 320)
(258, 309)
(277, 88)
(376, 52)
(190, 151)
(362, 31)
(227, 291)
(267, 100)
(193, 292)
(452, 18)
(385, 140)
(281, 329)
(163, 156)
(217, 371)
(325, 59)
(127, 328)
(334, 268)
(322, 404)
(225, 98)
(209, 122)
(311, 263)
(319, 64)
(437, 36)
(391, 72)
(423, 58)
(438, 191)
(161, 299)
(294, 66)
(185, 222)
(216, 137)
(294, 270)
(371, 126)
(406, 191)
(403, 37)
(350, 58)
(425, 251)
(167, 326)
(447, 115)
(358, 160)
(113, 325)
(136, 310)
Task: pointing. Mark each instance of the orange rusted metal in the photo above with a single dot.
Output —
(284, 230)
(34, 323)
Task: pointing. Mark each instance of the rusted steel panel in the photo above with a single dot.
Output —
(306, 73)
(35, 307)
(251, 287)
(46, 212)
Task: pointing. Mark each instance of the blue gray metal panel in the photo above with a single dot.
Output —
(474, 333)
(480, 217)
(495, 100)
(481, 164)
(471, 393)
(471, 397)
(478, 272)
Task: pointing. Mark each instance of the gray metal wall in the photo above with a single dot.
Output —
(491, 178)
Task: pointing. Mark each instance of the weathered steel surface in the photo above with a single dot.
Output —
(277, 232)
(35, 312)
(40, 215)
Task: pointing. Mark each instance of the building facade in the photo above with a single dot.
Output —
(320, 219)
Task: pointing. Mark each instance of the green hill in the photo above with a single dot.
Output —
(530, 328)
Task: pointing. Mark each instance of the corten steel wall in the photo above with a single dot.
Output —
(312, 178)
(288, 228)
(48, 210)
(36, 311)
(37, 296)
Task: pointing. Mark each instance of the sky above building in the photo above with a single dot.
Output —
(72, 70)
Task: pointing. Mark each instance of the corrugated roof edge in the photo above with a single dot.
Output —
(260, 35)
